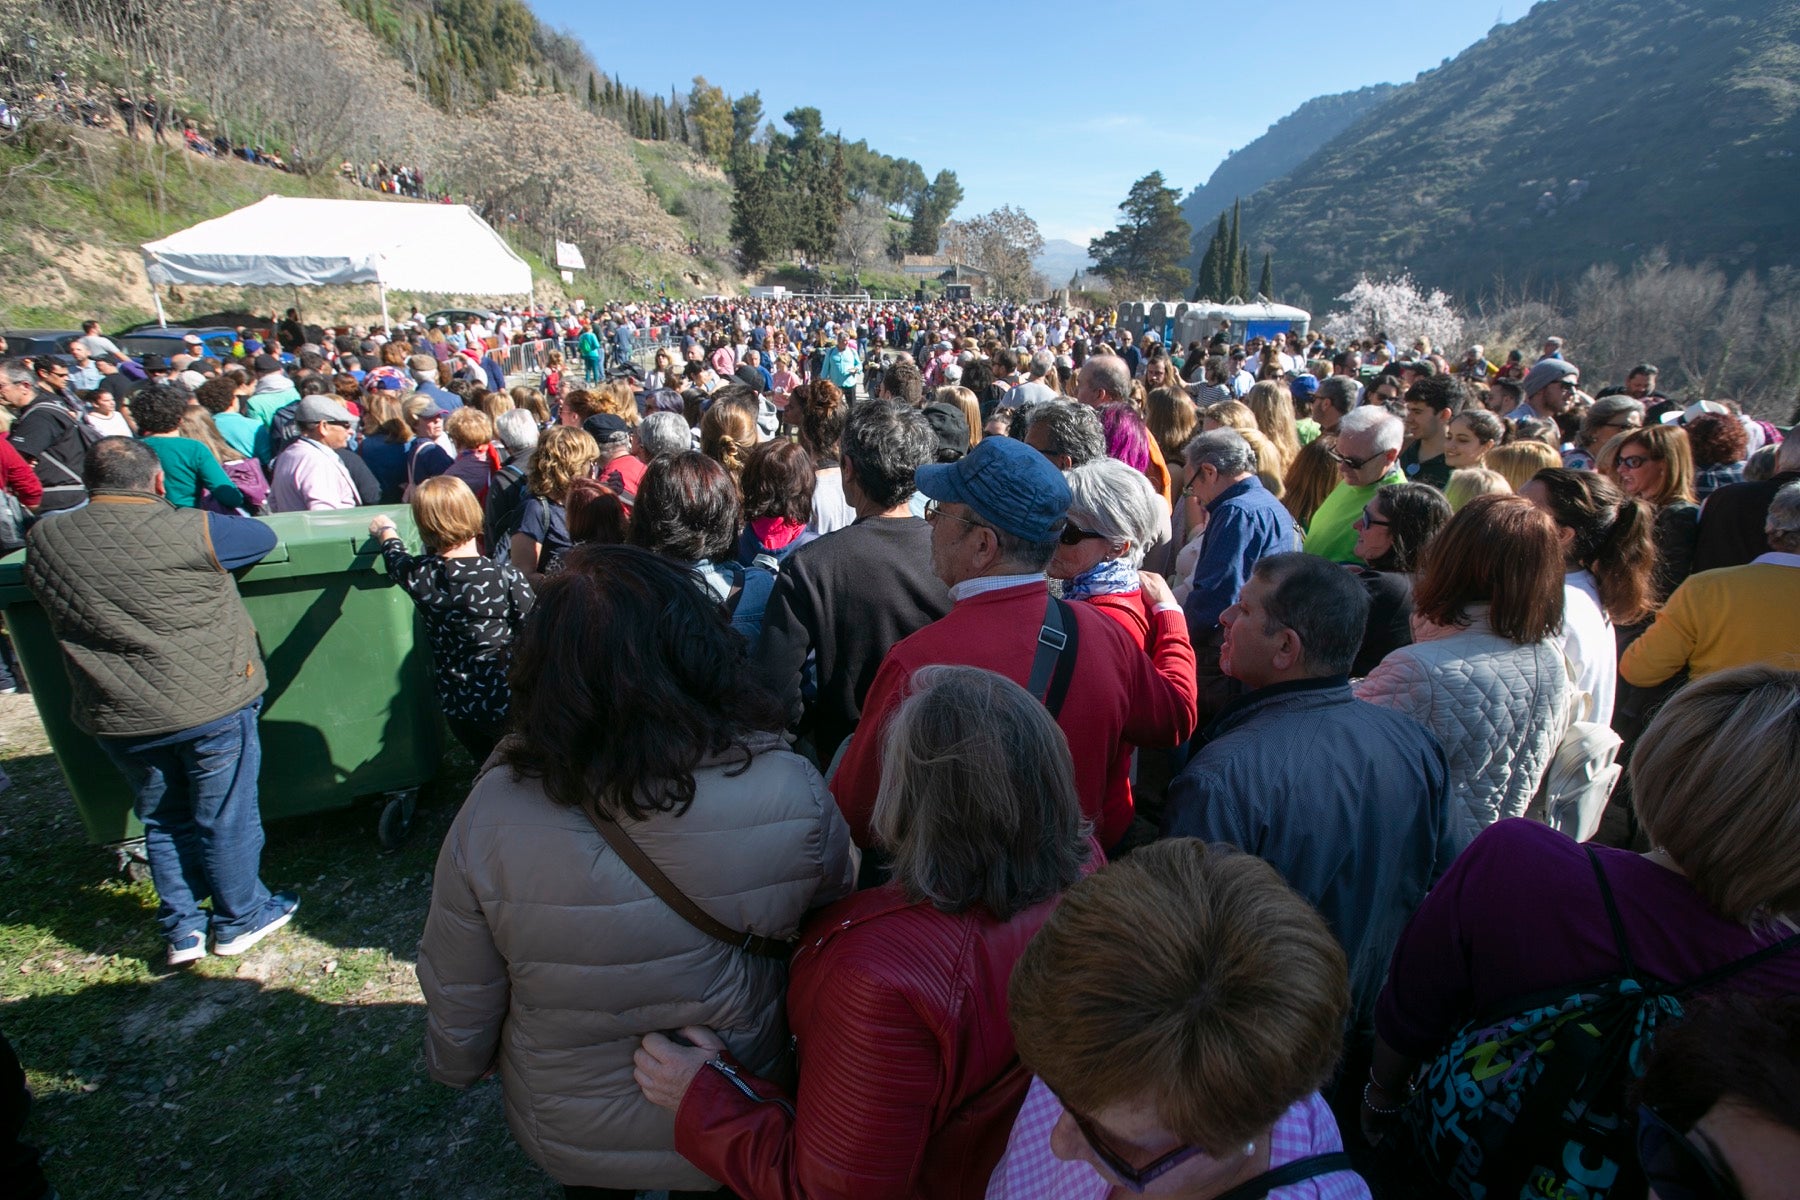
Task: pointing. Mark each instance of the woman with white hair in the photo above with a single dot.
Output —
(1114, 517)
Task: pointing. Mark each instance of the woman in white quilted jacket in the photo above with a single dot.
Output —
(1484, 673)
(546, 958)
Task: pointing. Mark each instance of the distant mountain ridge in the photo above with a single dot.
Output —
(1060, 259)
(1589, 131)
(1282, 147)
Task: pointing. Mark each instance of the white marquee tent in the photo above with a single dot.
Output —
(439, 248)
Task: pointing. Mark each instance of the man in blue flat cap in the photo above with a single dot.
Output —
(997, 514)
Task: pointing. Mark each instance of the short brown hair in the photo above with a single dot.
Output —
(1713, 781)
(1190, 976)
(446, 512)
(977, 799)
(1500, 551)
(778, 482)
(469, 428)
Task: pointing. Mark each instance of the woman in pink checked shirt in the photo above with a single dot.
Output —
(1180, 1009)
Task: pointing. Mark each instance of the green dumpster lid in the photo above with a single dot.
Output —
(308, 543)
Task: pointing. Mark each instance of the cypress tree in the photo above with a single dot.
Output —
(1267, 284)
(1233, 254)
(1240, 280)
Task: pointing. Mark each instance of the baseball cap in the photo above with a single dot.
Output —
(154, 362)
(252, 346)
(606, 427)
(1702, 407)
(313, 409)
(1008, 485)
(265, 364)
(949, 425)
(1304, 384)
(192, 339)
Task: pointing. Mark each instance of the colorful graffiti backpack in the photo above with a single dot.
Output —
(1531, 1105)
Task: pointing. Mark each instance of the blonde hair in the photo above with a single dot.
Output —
(1268, 460)
(469, 428)
(415, 407)
(1466, 483)
(727, 432)
(1273, 406)
(446, 512)
(198, 424)
(1189, 977)
(619, 399)
(964, 399)
(1518, 461)
(977, 800)
(1231, 414)
(1713, 782)
(563, 455)
(495, 403)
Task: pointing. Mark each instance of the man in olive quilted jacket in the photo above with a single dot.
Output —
(166, 675)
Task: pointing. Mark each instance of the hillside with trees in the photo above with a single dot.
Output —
(1588, 133)
(1284, 146)
(480, 103)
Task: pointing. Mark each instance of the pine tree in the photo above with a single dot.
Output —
(1143, 255)
(1267, 285)
(1236, 282)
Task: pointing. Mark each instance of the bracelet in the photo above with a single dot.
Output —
(1395, 1111)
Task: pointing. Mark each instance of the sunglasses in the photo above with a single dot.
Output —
(1355, 464)
(1632, 462)
(1679, 1169)
(1134, 1179)
(1074, 535)
(1371, 520)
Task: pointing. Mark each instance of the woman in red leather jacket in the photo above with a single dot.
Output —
(897, 1000)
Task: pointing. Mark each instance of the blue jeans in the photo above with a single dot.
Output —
(196, 795)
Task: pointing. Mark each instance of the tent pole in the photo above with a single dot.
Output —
(382, 289)
(156, 299)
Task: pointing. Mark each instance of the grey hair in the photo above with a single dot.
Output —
(977, 802)
(1341, 391)
(1042, 363)
(886, 442)
(1074, 430)
(1386, 431)
(1112, 499)
(1783, 522)
(1110, 374)
(15, 370)
(664, 433)
(1225, 449)
(517, 430)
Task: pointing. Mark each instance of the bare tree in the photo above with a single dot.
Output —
(863, 234)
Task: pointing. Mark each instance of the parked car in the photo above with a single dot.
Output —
(463, 315)
(215, 340)
(29, 343)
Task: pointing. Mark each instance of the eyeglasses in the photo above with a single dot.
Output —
(1074, 535)
(1356, 464)
(1620, 425)
(1135, 1179)
(1677, 1168)
(1632, 462)
(1368, 519)
(933, 512)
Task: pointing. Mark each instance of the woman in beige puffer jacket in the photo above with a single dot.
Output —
(544, 957)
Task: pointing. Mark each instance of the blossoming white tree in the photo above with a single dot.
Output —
(1397, 307)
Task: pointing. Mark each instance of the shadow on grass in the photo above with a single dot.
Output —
(195, 1085)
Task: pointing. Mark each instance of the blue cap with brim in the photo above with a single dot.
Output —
(1008, 485)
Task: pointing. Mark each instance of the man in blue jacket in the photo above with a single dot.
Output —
(1348, 800)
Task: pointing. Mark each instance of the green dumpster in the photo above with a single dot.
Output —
(351, 708)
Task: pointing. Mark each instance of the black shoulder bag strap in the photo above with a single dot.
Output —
(1053, 666)
(1310, 1167)
(652, 877)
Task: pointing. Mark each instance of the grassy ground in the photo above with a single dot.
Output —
(294, 1071)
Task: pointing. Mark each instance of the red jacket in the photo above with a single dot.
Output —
(909, 1082)
(19, 478)
(1119, 697)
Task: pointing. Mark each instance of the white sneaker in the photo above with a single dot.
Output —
(189, 949)
(286, 903)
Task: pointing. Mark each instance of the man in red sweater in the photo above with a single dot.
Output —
(996, 514)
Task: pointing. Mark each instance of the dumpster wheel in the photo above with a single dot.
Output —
(396, 819)
(132, 860)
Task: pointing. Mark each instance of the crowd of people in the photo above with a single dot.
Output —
(953, 750)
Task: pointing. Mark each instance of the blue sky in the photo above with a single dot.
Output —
(1055, 107)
